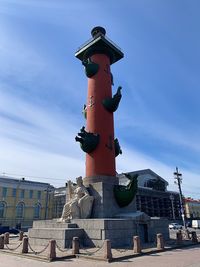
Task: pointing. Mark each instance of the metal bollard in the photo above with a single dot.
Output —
(1, 241)
(25, 245)
(21, 235)
(179, 238)
(107, 250)
(160, 241)
(75, 245)
(6, 238)
(52, 250)
(136, 244)
(194, 237)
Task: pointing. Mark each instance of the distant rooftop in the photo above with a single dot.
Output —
(9, 179)
(189, 199)
(146, 171)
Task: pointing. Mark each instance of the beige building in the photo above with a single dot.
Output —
(60, 198)
(192, 208)
(22, 201)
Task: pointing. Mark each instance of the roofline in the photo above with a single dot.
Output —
(8, 178)
(143, 171)
(191, 200)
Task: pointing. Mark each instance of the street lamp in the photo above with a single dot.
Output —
(172, 202)
(48, 190)
(178, 178)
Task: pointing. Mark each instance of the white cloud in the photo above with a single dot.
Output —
(36, 141)
(21, 160)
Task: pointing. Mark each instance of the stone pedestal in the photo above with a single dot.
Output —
(179, 238)
(45, 230)
(160, 241)
(136, 244)
(6, 238)
(1, 241)
(107, 250)
(93, 232)
(75, 245)
(105, 205)
(25, 245)
(52, 249)
(194, 237)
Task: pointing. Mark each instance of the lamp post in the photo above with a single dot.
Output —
(47, 201)
(178, 178)
(172, 202)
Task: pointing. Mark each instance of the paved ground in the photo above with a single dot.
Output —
(187, 257)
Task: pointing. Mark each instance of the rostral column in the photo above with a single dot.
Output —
(97, 139)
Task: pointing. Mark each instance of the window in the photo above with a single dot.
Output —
(37, 210)
(2, 209)
(14, 192)
(4, 191)
(22, 193)
(31, 194)
(20, 210)
(39, 194)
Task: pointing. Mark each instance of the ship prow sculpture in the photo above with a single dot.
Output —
(124, 194)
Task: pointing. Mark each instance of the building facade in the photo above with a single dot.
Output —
(192, 208)
(60, 198)
(22, 201)
(152, 196)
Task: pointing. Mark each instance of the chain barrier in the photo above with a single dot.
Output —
(120, 250)
(12, 249)
(38, 252)
(154, 243)
(14, 237)
(92, 252)
(173, 242)
(63, 250)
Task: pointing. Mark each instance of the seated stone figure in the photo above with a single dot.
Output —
(79, 204)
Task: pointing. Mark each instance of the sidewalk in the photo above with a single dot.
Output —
(185, 257)
(41, 253)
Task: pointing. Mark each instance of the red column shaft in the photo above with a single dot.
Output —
(102, 160)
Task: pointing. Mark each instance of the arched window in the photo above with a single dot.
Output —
(2, 209)
(20, 210)
(37, 210)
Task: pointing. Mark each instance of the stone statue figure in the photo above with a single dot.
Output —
(79, 204)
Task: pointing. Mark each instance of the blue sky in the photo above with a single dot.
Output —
(43, 86)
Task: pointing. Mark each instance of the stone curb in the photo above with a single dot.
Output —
(98, 258)
(39, 258)
(82, 256)
(153, 251)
